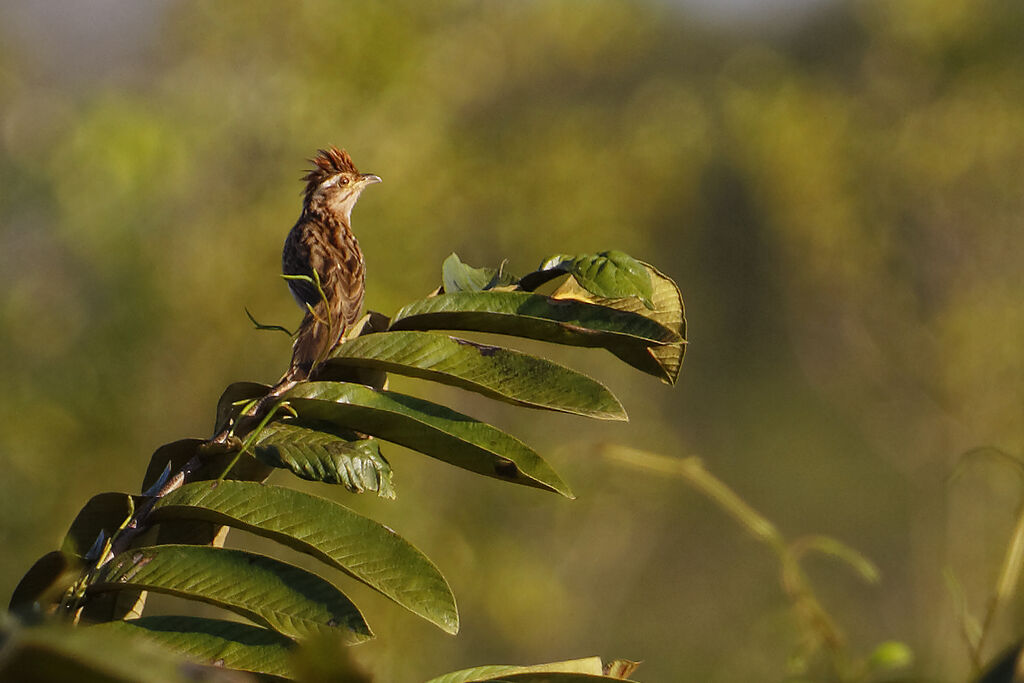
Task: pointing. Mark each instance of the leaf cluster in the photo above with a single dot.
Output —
(330, 429)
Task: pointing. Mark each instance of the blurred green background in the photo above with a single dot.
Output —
(836, 187)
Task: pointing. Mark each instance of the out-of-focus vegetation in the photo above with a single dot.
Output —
(839, 199)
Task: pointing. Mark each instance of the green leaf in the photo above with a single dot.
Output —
(288, 599)
(664, 361)
(493, 371)
(429, 428)
(317, 453)
(226, 644)
(364, 549)
(459, 277)
(589, 665)
(550, 319)
(57, 652)
(606, 274)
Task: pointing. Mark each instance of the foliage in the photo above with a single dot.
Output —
(170, 539)
(836, 182)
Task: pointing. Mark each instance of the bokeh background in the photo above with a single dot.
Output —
(836, 186)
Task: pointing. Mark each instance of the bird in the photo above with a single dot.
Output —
(322, 261)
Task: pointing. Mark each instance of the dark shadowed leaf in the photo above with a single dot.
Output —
(366, 550)
(42, 587)
(55, 652)
(288, 599)
(493, 371)
(226, 644)
(429, 428)
(326, 454)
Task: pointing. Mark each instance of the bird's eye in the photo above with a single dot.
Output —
(343, 181)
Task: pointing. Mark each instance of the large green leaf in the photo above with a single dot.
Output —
(562, 320)
(524, 314)
(662, 361)
(433, 429)
(493, 371)
(319, 453)
(366, 550)
(290, 600)
(226, 644)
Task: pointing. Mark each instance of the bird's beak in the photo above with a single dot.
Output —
(369, 178)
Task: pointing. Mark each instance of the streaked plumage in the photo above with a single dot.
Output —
(322, 241)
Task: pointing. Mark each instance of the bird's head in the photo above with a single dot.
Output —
(335, 184)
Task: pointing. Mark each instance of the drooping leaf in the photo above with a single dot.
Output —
(429, 428)
(105, 512)
(574, 671)
(607, 274)
(226, 644)
(56, 652)
(318, 453)
(457, 276)
(557, 320)
(493, 371)
(288, 599)
(364, 549)
(40, 590)
(232, 401)
(662, 361)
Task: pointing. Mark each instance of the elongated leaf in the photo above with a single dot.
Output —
(57, 652)
(457, 276)
(226, 644)
(429, 428)
(493, 371)
(290, 600)
(589, 665)
(551, 677)
(607, 274)
(364, 549)
(523, 314)
(318, 453)
(664, 361)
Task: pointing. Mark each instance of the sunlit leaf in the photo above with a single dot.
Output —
(288, 599)
(366, 550)
(590, 665)
(493, 371)
(607, 274)
(457, 276)
(664, 361)
(429, 428)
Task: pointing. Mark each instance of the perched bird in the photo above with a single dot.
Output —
(322, 250)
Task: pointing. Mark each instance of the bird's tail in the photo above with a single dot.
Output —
(314, 341)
